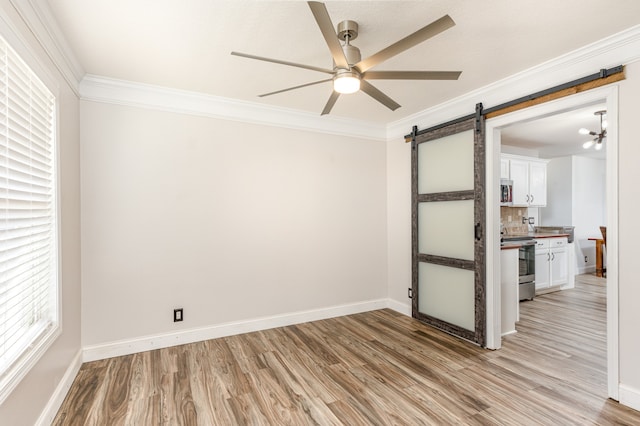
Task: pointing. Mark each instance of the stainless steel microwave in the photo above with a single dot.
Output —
(506, 192)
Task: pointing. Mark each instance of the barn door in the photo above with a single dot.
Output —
(448, 170)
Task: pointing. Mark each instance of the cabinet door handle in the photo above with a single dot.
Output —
(527, 198)
(553, 256)
(548, 257)
(532, 198)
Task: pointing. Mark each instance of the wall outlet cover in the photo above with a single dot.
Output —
(178, 315)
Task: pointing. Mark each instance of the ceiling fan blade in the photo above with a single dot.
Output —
(277, 61)
(433, 29)
(323, 20)
(295, 87)
(330, 103)
(376, 94)
(412, 75)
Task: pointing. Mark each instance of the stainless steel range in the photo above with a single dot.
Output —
(527, 270)
(526, 266)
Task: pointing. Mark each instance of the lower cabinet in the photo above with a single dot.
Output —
(552, 262)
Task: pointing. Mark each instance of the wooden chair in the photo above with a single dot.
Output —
(603, 231)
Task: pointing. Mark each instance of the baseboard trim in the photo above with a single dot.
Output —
(400, 307)
(587, 270)
(629, 396)
(53, 405)
(165, 340)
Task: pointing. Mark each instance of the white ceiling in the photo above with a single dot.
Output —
(557, 135)
(186, 44)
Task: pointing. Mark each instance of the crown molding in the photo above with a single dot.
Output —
(38, 17)
(619, 49)
(120, 92)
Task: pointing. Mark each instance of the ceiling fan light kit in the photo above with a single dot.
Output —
(350, 73)
(346, 82)
(599, 137)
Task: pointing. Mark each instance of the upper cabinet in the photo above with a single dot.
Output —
(504, 168)
(529, 176)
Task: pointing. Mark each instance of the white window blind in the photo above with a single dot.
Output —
(28, 241)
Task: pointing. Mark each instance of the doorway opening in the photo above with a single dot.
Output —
(606, 96)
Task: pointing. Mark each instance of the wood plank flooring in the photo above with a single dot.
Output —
(375, 368)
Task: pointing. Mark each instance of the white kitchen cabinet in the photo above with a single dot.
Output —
(552, 262)
(559, 270)
(529, 178)
(504, 168)
(571, 260)
(519, 175)
(543, 270)
(538, 184)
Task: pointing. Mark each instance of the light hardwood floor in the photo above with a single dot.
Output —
(379, 368)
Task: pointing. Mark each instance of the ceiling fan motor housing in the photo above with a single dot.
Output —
(352, 54)
(348, 31)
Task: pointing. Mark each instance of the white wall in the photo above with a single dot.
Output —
(559, 193)
(576, 196)
(399, 223)
(589, 204)
(629, 235)
(230, 221)
(40, 386)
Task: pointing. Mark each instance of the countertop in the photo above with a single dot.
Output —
(510, 245)
(506, 244)
(534, 235)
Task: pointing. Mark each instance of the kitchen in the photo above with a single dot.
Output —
(553, 203)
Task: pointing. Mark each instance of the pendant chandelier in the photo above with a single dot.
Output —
(596, 142)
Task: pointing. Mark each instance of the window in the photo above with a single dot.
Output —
(28, 225)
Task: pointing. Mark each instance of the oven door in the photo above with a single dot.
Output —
(527, 263)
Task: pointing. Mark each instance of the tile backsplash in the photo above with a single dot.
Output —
(511, 220)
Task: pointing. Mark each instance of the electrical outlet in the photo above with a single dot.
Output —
(532, 220)
(410, 293)
(525, 220)
(178, 315)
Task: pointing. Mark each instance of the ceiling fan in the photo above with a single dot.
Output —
(350, 72)
(599, 137)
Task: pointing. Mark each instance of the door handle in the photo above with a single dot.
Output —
(478, 231)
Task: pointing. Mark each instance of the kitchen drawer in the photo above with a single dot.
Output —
(542, 243)
(545, 243)
(557, 242)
